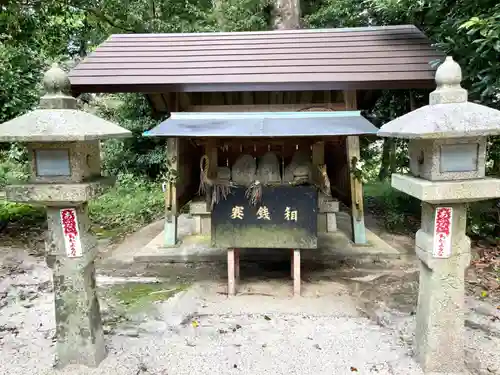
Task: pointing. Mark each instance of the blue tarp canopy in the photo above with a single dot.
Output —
(263, 124)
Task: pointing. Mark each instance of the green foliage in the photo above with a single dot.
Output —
(20, 73)
(484, 221)
(399, 212)
(21, 213)
(13, 166)
(138, 155)
(132, 203)
(241, 15)
(336, 13)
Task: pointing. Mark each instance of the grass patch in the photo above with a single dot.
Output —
(21, 213)
(140, 295)
(131, 204)
(126, 207)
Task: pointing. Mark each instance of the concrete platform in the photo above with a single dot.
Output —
(333, 247)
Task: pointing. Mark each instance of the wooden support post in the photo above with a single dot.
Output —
(296, 272)
(231, 274)
(170, 229)
(318, 158)
(353, 155)
(237, 265)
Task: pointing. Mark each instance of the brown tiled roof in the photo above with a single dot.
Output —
(317, 59)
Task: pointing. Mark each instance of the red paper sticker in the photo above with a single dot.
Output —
(442, 232)
(70, 231)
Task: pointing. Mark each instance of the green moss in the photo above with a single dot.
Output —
(137, 295)
(105, 233)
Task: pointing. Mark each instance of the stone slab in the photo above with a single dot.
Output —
(331, 222)
(198, 207)
(327, 204)
(205, 225)
(58, 194)
(447, 191)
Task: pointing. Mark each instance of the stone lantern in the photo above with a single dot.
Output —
(64, 152)
(447, 147)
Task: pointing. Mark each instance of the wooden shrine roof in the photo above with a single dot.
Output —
(283, 60)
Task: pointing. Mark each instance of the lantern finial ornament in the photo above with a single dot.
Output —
(56, 81)
(57, 90)
(448, 78)
(449, 73)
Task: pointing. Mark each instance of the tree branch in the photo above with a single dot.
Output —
(107, 19)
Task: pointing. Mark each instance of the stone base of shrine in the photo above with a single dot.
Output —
(332, 248)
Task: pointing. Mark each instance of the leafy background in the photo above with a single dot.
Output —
(35, 33)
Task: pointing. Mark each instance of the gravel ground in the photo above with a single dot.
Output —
(230, 336)
(201, 331)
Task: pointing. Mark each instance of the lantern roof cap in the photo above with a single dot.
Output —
(57, 119)
(448, 115)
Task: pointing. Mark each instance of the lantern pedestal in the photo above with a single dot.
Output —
(71, 250)
(444, 252)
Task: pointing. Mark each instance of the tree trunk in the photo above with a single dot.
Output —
(219, 13)
(387, 160)
(286, 14)
(393, 156)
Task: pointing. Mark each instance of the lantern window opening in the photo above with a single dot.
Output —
(52, 162)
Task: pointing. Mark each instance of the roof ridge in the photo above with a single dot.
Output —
(293, 31)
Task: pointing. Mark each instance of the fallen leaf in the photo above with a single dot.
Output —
(354, 369)
(195, 324)
(266, 317)
(238, 326)
(484, 293)
(481, 265)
